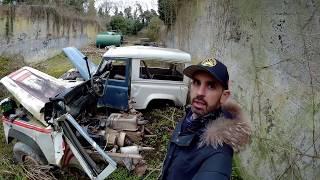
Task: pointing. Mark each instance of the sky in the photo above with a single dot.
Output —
(122, 4)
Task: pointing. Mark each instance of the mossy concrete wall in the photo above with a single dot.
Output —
(40, 32)
(272, 50)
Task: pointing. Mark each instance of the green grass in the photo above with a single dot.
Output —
(123, 174)
(60, 64)
(7, 65)
(54, 66)
(8, 170)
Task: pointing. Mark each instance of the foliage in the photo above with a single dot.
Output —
(130, 21)
(162, 124)
(127, 12)
(125, 25)
(153, 30)
(100, 12)
(235, 171)
(9, 64)
(91, 9)
(167, 11)
(8, 170)
(123, 174)
(77, 5)
(54, 66)
(119, 23)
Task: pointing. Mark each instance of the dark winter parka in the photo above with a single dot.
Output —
(205, 152)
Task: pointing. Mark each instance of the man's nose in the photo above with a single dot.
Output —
(201, 90)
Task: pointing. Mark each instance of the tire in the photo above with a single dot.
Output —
(24, 154)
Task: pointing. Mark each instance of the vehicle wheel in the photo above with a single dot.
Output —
(24, 154)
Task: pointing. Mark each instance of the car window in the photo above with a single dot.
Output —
(118, 71)
(161, 70)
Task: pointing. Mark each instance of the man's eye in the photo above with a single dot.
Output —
(211, 86)
(195, 82)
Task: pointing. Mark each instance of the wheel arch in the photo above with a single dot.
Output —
(19, 136)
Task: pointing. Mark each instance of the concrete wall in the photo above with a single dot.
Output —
(37, 33)
(272, 50)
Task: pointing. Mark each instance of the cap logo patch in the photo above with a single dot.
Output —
(209, 62)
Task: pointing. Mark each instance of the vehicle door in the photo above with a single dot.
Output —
(117, 91)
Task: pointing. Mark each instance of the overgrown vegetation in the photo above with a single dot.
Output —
(167, 11)
(162, 123)
(7, 65)
(128, 22)
(153, 30)
(54, 66)
(82, 9)
(8, 170)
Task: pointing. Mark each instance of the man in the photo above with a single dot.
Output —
(202, 145)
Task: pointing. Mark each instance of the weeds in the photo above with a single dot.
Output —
(123, 174)
(60, 64)
(54, 66)
(38, 172)
(9, 64)
(162, 123)
(8, 170)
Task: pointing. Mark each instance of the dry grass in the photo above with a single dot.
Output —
(8, 170)
(38, 172)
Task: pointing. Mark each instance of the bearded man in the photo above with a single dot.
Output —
(203, 143)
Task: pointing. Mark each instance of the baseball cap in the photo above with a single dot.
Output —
(212, 66)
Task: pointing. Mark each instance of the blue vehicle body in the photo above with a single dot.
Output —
(117, 90)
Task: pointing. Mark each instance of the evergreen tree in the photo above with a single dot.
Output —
(127, 12)
(167, 11)
(91, 9)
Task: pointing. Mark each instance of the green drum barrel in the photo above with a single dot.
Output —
(108, 39)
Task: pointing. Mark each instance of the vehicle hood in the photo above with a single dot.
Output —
(77, 60)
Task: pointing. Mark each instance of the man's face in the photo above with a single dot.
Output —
(206, 94)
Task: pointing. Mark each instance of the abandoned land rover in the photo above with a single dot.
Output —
(140, 74)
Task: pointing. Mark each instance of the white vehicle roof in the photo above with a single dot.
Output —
(149, 53)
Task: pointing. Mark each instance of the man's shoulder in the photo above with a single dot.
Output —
(218, 165)
(224, 149)
(233, 129)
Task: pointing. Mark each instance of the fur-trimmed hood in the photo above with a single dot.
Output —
(234, 132)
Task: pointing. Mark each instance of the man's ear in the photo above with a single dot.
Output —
(225, 95)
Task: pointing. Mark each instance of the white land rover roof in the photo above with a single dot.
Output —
(149, 53)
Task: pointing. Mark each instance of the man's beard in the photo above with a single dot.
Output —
(197, 111)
